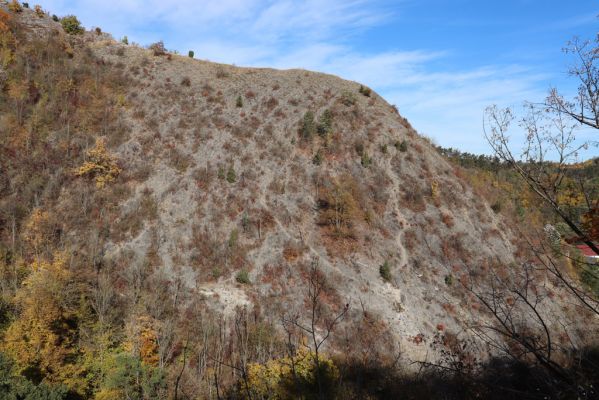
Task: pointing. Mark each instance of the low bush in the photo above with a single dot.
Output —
(243, 277)
(348, 98)
(231, 175)
(401, 146)
(364, 91)
(385, 271)
(186, 81)
(158, 48)
(318, 157)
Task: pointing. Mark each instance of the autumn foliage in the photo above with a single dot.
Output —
(101, 166)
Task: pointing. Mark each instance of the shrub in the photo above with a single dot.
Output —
(55, 18)
(38, 10)
(101, 166)
(366, 160)
(98, 31)
(191, 54)
(318, 157)
(348, 98)
(25, 5)
(216, 272)
(231, 175)
(125, 40)
(15, 6)
(308, 126)
(496, 207)
(359, 148)
(239, 102)
(243, 277)
(233, 238)
(385, 271)
(221, 73)
(384, 149)
(364, 91)
(434, 189)
(71, 25)
(186, 81)
(401, 146)
(448, 280)
(158, 48)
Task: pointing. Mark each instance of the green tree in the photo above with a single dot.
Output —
(325, 123)
(128, 378)
(308, 125)
(71, 25)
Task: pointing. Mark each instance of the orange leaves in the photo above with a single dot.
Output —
(102, 166)
(143, 340)
(5, 20)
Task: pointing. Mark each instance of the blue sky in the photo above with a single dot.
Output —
(441, 62)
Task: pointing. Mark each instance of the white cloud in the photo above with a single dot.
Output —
(317, 35)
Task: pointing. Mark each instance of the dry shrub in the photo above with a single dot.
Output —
(413, 198)
(221, 73)
(292, 252)
(186, 81)
(449, 308)
(410, 239)
(447, 220)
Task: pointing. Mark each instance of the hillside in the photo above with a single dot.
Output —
(152, 205)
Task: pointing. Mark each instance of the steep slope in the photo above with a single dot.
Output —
(364, 204)
(221, 186)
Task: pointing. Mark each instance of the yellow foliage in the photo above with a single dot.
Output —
(43, 337)
(275, 379)
(36, 229)
(101, 165)
(15, 6)
(434, 188)
(571, 196)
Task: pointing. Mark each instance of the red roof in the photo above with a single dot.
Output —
(586, 250)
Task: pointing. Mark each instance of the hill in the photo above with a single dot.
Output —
(187, 221)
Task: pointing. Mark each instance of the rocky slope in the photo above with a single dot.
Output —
(234, 181)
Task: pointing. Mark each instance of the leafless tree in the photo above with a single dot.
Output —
(551, 144)
(319, 325)
(584, 108)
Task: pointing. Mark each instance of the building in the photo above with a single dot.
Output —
(589, 255)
